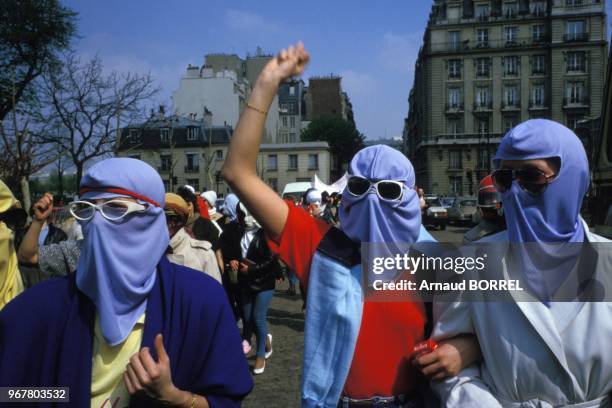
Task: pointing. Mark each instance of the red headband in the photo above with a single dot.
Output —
(119, 191)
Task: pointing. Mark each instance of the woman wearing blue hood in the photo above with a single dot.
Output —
(129, 328)
(356, 353)
(540, 353)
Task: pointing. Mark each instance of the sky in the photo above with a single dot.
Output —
(373, 45)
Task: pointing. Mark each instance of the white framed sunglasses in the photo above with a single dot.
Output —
(390, 190)
(113, 210)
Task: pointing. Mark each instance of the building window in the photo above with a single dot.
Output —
(538, 64)
(165, 161)
(453, 126)
(482, 162)
(292, 122)
(574, 3)
(510, 35)
(192, 133)
(538, 95)
(195, 183)
(575, 93)
(293, 162)
(573, 121)
(313, 161)
(511, 96)
(164, 134)
(482, 38)
(483, 67)
(482, 126)
(539, 9)
(285, 124)
(219, 154)
(454, 98)
(292, 90)
(482, 12)
(537, 32)
(510, 10)
(272, 162)
(166, 185)
(134, 135)
(509, 123)
(292, 137)
(454, 159)
(454, 40)
(192, 162)
(483, 97)
(455, 186)
(273, 183)
(454, 69)
(576, 61)
(576, 30)
(511, 65)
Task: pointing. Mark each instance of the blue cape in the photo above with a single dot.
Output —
(46, 338)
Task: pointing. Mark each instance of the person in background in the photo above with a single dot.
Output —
(11, 281)
(355, 352)
(422, 202)
(259, 271)
(491, 212)
(312, 202)
(183, 248)
(202, 227)
(129, 328)
(210, 198)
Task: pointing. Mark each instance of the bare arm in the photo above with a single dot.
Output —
(240, 168)
(28, 250)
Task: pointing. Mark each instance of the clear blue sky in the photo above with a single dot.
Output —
(373, 45)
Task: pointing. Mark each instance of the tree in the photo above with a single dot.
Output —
(32, 34)
(342, 136)
(91, 107)
(23, 154)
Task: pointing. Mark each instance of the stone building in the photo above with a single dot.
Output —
(487, 65)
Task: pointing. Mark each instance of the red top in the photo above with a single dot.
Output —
(202, 207)
(389, 330)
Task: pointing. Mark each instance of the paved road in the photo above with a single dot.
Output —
(279, 385)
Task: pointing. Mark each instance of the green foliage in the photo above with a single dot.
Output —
(342, 136)
(32, 35)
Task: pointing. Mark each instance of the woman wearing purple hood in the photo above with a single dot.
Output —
(541, 353)
(128, 328)
(356, 353)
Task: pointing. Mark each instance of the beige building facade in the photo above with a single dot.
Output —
(486, 66)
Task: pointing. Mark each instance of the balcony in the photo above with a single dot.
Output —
(581, 4)
(511, 105)
(454, 108)
(576, 37)
(192, 169)
(467, 45)
(576, 103)
(538, 105)
(483, 106)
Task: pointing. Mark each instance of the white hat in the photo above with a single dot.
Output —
(313, 196)
(190, 188)
(210, 196)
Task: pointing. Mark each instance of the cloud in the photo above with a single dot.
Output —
(358, 84)
(399, 51)
(239, 20)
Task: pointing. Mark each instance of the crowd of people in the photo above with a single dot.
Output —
(160, 297)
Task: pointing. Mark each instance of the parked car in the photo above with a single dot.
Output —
(462, 211)
(296, 190)
(447, 202)
(434, 213)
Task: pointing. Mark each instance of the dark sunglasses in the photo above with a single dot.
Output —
(531, 180)
(385, 189)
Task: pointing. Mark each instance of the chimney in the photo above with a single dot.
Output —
(162, 111)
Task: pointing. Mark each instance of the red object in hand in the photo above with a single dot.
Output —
(424, 347)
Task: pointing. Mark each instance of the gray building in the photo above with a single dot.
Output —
(290, 108)
(487, 65)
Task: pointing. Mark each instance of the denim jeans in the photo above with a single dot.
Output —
(292, 278)
(255, 307)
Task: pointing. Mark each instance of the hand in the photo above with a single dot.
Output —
(143, 374)
(43, 208)
(234, 265)
(289, 62)
(244, 268)
(451, 356)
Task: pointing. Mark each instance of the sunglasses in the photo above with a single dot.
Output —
(531, 180)
(385, 189)
(113, 210)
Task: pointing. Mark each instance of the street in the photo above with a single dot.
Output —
(279, 385)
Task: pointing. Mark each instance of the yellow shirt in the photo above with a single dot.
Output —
(109, 363)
